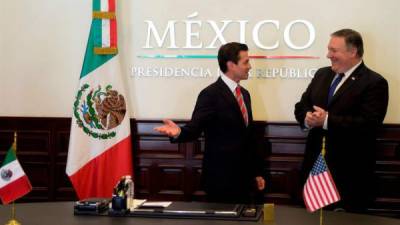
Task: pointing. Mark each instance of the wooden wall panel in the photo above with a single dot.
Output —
(165, 171)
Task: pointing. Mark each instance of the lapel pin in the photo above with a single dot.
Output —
(353, 78)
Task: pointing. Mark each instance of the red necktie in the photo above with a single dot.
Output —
(239, 98)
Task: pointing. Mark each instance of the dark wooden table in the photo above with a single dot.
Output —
(61, 213)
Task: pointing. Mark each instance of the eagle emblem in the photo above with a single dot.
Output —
(6, 174)
(98, 111)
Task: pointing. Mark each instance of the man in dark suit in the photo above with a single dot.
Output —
(345, 103)
(232, 169)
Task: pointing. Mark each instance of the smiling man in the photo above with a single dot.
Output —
(232, 169)
(345, 103)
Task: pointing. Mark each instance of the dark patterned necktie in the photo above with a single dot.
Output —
(334, 85)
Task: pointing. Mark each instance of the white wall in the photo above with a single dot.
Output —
(42, 45)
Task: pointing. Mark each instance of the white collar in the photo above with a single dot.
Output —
(351, 70)
(228, 81)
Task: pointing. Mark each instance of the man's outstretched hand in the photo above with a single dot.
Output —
(169, 128)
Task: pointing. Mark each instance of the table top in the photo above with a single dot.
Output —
(61, 213)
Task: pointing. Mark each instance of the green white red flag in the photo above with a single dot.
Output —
(100, 141)
(13, 181)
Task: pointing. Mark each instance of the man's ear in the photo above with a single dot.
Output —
(353, 51)
(230, 65)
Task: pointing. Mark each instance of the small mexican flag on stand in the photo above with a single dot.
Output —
(13, 181)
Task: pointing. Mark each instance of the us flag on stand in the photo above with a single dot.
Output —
(319, 189)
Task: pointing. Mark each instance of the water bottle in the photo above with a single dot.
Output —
(130, 192)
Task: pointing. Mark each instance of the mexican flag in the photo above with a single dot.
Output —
(13, 181)
(100, 142)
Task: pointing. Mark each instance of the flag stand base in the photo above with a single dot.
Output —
(13, 222)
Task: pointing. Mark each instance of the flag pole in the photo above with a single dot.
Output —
(321, 213)
(321, 219)
(13, 221)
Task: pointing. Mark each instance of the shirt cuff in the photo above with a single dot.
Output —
(326, 122)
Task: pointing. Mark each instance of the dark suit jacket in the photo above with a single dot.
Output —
(354, 114)
(230, 161)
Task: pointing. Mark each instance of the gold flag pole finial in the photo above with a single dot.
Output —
(323, 147)
(15, 141)
(13, 221)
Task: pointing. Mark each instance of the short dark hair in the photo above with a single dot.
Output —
(352, 39)
(230, 52)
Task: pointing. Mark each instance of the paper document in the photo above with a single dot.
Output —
(136, 203)
(156, 204)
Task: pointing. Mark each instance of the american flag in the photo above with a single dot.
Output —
(319, 189)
